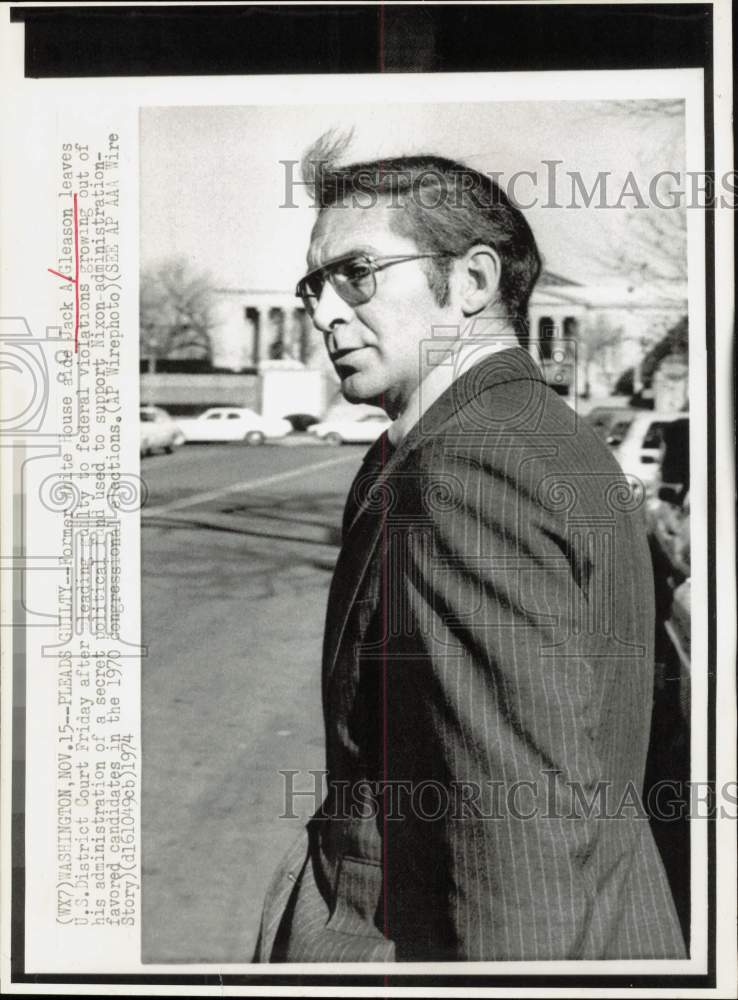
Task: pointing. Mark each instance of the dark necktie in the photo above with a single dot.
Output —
(374, 462)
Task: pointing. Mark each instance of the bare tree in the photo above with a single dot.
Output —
(674, 343)
(654, 247)
(651, 247)
(599, 348)
(653, 108)
(176, 311)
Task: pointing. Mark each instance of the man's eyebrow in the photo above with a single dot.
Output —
(352, 252)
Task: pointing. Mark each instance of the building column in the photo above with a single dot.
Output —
(276, 319)
(548, 333)
(253, 320)
(304, 326)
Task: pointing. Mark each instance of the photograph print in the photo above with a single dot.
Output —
(416, 587)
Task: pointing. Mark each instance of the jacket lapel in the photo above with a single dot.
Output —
(372, 485)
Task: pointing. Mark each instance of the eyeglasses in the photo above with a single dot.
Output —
(353, 277)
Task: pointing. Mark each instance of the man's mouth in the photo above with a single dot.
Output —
(343, 363)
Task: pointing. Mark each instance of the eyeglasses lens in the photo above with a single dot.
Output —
(352, 279)
(310, 290)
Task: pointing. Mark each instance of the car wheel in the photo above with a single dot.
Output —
(254, 437)
(169, 449)
(332, 437)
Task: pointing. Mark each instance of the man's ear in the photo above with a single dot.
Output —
(479, 275)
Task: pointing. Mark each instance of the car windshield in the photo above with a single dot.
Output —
(146, 417)
(654, 435)
(617, 431)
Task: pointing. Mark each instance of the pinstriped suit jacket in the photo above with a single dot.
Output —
(487, 685)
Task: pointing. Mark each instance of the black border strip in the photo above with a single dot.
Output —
(71, 42)
(711, 519)
(344, 38)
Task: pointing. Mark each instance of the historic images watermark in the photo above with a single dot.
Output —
(550, 797)
(551, 186)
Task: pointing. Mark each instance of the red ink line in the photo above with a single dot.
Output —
(60, 275)
(75, 280)
(384, 568)
(76, 276)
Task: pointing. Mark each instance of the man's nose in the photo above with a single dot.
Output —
(332, 316)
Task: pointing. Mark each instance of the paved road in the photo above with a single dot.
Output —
(238, 545)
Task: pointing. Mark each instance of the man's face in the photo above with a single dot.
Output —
(375, 347)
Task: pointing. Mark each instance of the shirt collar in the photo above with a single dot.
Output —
(458, 359)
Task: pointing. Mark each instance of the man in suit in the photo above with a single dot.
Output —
(487, 669)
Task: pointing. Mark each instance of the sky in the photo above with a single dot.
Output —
(213, 187)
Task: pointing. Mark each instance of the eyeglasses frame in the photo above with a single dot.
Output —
(374, 262)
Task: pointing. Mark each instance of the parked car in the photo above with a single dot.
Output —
(669, 756)
(668, 509)
(616, 433)
(605, 420)
(233, 423)
(668, 515)
(639, 449)
(301, 421)
(363, 430)
(158, 432)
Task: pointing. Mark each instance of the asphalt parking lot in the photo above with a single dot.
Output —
(238, 545)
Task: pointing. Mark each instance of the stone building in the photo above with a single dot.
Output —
(583, 336)
(254, 326)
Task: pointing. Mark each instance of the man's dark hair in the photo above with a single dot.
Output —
(443, 205)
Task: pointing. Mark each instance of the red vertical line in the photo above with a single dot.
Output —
(595, 597)
(608, 588)
(385, 601)
(597, 604)
(87, 581)
(105, 562)
(385, 729)
(94, 589)
(575, 592)
(74, 579)
(385, 853)
(76, 275)
(77, 625)
(108, 613)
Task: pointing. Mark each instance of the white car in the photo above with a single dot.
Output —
(158, 431)
(639, 449)
(363, 430)
(233, 423)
